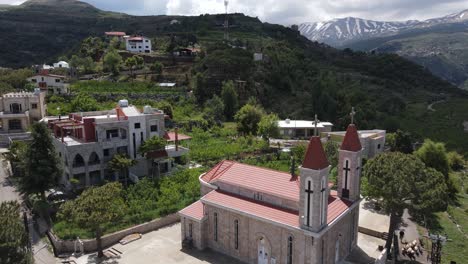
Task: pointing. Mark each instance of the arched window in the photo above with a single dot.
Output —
(94, 159)
(78, 161)
(15, 108)
(236, 234)
(215, 231)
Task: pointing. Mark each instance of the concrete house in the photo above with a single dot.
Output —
(138, 44)
(263, 216)
(61, 64)
(302, 128)
(19, 110)
(51, 83)
(86, 142)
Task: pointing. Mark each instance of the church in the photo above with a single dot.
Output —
(263, 216)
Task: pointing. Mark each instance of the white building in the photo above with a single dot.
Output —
(86, 142)
(61, 64)
(52, 83)
(372, 141)
(138, 44)
(302, 128)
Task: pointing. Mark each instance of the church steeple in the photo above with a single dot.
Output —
(313, 202)
(349, 163)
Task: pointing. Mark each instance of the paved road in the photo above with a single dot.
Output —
(8, 193)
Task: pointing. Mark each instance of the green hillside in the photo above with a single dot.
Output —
(296, 79)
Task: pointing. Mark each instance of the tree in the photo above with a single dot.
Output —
(167, 108)
(121, 163)
(16, 155)
(455, 160)
(96, 208)
(13, 237)
(154, 143)
(434, 155)
(112, 62)
(400, 141)
(247, 119)
(42, 169)
(422, 190)
(131, 64)
(268, 127)
(214, 108)
(230, 99)
(157, 67)
(331, 150)
(84, 103)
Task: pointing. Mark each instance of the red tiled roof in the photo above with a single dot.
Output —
(136, 39)
(315, 158)
(351, 140)
(259, 209)
(252, 207)
(194, 210)
(170, 136)
(115, 33)
(255, 178)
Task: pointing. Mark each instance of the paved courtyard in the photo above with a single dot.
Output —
(161, 246)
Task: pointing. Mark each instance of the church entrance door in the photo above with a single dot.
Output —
(262, 252)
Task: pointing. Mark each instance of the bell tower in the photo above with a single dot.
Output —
(349, 164)
(313, 199)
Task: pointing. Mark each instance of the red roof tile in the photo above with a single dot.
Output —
(336, 207)
(194, 210)
(136, 39)
(115, 33)
(170, 136)
(315, 158)
(252, 207)
(255, 178)
(351, 140)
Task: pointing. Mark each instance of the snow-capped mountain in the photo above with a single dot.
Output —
(340, 31)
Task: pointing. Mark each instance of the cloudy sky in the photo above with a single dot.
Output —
(288, 11)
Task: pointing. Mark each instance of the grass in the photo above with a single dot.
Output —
(456, 249)
(444, 125)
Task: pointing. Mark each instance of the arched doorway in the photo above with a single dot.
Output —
(263, 250)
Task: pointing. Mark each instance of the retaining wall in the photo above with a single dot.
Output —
(89, 245)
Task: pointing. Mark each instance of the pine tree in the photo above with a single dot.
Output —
(42, 168)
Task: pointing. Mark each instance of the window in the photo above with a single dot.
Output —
(137, 125)
(154, 128)
(147, 47)
(378, 146)
(34, 80)
(106, 152)
(215, 231)
(78, 161)
(42, 78)
(57, 80)
(34, 106)
(146, 40)
(14, 124)
(236, 234)
(94, 159)
(190, 230)
(113, 133)
(15, 108)
(290, 250)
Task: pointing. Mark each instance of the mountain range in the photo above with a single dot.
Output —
(439, 44)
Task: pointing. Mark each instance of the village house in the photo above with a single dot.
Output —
(19, 110)
(87, 141)
(372, 141)
(301, 128)
(138, 44)
(61, 64)
(115, 34)
(259, 215)
(51, 83)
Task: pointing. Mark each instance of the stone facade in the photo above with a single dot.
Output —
(19, 110)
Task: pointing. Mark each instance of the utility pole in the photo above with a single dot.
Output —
(226, 21)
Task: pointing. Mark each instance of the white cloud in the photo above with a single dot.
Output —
(288, 11)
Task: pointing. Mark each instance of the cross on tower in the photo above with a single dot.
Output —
(309, 192)
(352, 114)
(315, 125)
(345, 191)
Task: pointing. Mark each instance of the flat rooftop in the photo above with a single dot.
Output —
(302, 124)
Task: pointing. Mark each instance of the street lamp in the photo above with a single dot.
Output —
(58, 110)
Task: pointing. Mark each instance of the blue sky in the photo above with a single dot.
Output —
(288, 11)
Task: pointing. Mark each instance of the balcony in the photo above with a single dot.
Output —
(173, 153)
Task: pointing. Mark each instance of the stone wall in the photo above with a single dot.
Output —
(89, 245)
